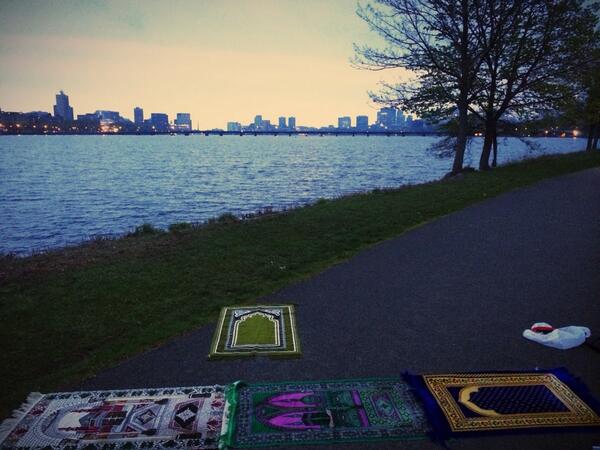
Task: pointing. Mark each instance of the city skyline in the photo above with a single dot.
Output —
(205, 58)
(63, 119)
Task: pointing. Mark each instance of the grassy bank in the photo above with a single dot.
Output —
(67, 314)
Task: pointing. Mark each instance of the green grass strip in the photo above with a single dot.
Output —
(68, 314)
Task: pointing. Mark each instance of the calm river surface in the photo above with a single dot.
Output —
(59, 190)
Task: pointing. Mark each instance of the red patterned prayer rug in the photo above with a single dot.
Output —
(187, 417)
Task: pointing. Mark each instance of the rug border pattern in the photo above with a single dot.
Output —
(229, 437)
(580, 414)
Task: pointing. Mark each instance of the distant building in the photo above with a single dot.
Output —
(138, 116)
(109, 116)
(62, 109)
(386, 117)
(409, 121)
(362, 123)
(266, 125)
(399, 119)
(183, 122)
(38, 115)
(234, 126)
(258, 121)
(344, 122)
(418, 125)
(90, 117)
(292, 123)
(282, 124)
(159, 121)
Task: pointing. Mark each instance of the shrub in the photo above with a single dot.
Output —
(144, 229)
(179, 227)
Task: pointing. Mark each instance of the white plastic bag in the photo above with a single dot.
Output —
(561, 338)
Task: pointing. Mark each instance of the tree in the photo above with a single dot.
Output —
(536, 48)
(434, 40)
(590, 82)
(488, 58)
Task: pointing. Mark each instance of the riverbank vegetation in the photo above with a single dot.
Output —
(69, 313)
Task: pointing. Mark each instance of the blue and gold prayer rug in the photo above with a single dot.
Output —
(505, 401)
(166, 418)
(321, 412)
(256, 330)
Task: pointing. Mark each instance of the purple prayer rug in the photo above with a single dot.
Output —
(321, 412)
(189, 417)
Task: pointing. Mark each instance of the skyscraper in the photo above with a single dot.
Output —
(138, 116)
(386, 117)
(62, 109)
(258, 121)
(292, 123)
(344, 122)
(159, 121)
(362, 123)
(282, 124)
(400, 119)
(234, 126)
(183, 122)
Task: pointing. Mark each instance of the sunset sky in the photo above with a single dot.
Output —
(220, 60)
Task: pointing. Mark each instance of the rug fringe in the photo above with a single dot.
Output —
(9, 424)
(228, 425)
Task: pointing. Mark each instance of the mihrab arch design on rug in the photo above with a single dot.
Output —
(248, 321)
(256, 330)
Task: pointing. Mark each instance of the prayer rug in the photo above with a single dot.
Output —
(134, 419)
(505, 401)
(256, 330)
(321, 412)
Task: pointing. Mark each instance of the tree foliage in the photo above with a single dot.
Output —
(523, 58)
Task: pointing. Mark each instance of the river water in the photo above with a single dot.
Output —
(59, 190)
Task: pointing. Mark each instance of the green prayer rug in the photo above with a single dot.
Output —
(321, 412)
(256, 330)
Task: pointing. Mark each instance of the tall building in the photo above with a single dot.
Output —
(183, 122)
(282, 124)
(409, 121)
(386, 117)
(399, 119)
(62, 110)
(344, 122)
(159, 121)
(138, 116)
(234, 126)
(362, 123)
(292, 123)
(258, 121)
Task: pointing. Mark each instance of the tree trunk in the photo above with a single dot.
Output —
(495, 148)
(464, 89)
(461, 138)
(490, 129)
(590, 137)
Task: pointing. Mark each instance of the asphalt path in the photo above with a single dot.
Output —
(453, 295)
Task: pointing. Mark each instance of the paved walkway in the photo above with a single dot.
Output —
(452, 295)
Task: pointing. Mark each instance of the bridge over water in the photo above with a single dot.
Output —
(313, 133)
